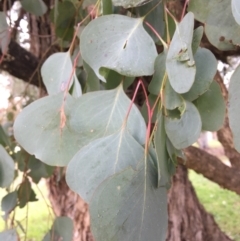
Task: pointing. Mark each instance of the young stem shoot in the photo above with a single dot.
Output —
(157, 34)
(150, 113)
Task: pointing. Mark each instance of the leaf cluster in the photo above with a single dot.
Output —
(115, 161)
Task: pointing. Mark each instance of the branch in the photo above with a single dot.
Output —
(212, 168)
(21, 64)
(5, 5)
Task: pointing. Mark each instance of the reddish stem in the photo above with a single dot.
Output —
(150, 111)
(184, 8)
(156, 33)
(72, 73)
(3, 54)
(170, 14)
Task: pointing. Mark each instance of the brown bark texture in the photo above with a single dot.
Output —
(67, 203)
(188, 220)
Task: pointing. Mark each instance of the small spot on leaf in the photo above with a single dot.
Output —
(222, 38)
(125, 45)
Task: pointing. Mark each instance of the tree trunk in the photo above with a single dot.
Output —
(67, 203)
(188, 220)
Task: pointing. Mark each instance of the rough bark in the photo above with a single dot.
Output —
(188, 220)
(67, 203)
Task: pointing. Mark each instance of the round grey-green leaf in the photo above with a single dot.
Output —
(180, 64)
(8, 203)
(236, 10)
(206, 65)
(36, 7)
(220, 26)
(128, 206)
(171, 99)
(128, 3)
(38, 130)
(184, 131)
(56, 73)
(119, 43)
(160, 70)
(9, 235)
(108, 156)
(161, 152)
(197, 37)
(155, 19)
(62, 229)
(6, 168)
(211, 107)
(108, 110)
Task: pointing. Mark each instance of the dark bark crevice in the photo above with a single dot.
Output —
(22, 64)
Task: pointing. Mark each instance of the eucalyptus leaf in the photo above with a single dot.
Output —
(44, 131)
(180, 63)
(155, 19)
(128, 3)
(9, 235)
(38, 169)
(236, 10)
(172, 160)
(211, 107)
(128, 206)
(206, 65)
(107, 7)
(171, 99)
(108, 156)
(98, 114)
(6, 168)
(56, 73)
(77, 89)
(197, 37)
(234, 107)
(65, 20)
(130, 51)
(161, 150)
(92, 81)
(184, 131)
(36, 7)
(4, 138)
(220, 26)
(159, 73)
(8, 203)
(24, 193)
(114, 79)
(62, 229)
